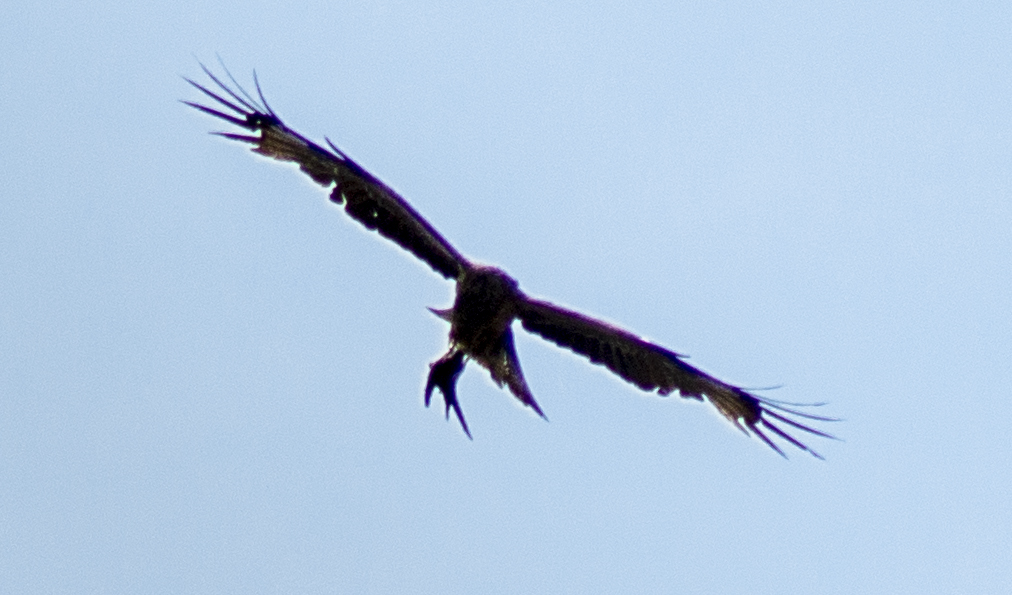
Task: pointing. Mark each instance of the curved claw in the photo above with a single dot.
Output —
(446, 314)
(443, 374)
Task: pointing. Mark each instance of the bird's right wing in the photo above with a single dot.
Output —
(366, 199)
(650, 366)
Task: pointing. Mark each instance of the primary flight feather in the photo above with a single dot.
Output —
(487, 299)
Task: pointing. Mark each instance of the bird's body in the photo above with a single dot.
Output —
(484, 308)
(488, 300)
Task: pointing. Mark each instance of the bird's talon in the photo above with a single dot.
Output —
(443, 374)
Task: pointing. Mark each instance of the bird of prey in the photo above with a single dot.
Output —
(487, 299)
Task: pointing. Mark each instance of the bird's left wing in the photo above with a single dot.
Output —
(650, 366)
(367, 200)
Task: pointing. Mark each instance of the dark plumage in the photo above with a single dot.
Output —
(487, 299)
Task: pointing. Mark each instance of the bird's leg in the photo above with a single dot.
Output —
(443, 374)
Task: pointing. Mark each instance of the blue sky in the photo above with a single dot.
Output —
(211, 378)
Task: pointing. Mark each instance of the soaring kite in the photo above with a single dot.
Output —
(487, 299)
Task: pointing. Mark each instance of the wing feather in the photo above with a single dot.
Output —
(365, 198)
(652, 367)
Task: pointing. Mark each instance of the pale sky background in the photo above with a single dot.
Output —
(211, 378)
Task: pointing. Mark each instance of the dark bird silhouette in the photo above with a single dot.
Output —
(487, 299)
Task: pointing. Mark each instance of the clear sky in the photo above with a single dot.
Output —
(211, 378)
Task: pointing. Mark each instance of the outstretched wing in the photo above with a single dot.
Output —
(651, 367)
(368, 200)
